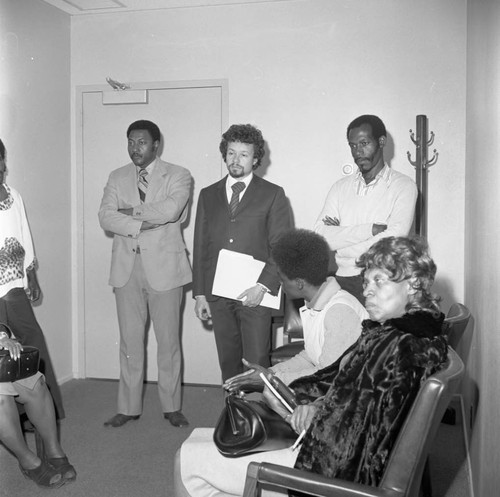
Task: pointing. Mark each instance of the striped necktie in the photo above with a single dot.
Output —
(235, 198)
(143, 184)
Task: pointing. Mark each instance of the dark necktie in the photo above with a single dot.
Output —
(143, 184)
(235, 199)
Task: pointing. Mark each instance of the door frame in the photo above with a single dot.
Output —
(77, 218)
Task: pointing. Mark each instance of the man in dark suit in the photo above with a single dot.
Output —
(247, 214)
(143, 205)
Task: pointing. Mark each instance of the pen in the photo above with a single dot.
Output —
(299, 439)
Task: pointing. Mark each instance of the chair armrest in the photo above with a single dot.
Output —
(295, 335)
(309, 483)
(286, 351)
(292, 323)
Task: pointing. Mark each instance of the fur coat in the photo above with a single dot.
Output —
(363, 398)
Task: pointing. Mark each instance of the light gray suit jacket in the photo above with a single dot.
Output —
(163, 251)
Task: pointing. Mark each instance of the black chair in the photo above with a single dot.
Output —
(456, 323)
(456, 320)
(292, 331)
(403, 473)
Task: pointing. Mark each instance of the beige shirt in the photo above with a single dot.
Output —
(332, 323)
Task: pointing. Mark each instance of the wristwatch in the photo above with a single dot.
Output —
(263, 288)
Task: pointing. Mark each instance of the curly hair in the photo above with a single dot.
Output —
(378, 127)
(2, 150)
(301, 253)
(244, 133)
(405, 259)
(150, 126)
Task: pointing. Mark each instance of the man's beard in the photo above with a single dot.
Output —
(236, 172)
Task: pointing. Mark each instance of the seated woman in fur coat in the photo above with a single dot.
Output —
(352, 411)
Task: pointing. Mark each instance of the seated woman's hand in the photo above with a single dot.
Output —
(302, 417)
(250, 378)
(247, 381)
(13, 346)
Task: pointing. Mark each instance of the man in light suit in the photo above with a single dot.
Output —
(143, 205)
(249, 219)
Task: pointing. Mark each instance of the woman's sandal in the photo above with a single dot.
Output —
(43, 475)
(64, 466)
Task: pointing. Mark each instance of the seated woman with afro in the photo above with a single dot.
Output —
(330, 317)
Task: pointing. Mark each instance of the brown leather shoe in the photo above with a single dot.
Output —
(176, 418)
(119, 420)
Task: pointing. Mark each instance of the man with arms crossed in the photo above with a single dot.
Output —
(360, 209)
(247, 214)
(144, 204)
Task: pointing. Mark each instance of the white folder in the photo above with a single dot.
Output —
(236, 273)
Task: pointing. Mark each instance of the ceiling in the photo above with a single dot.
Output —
(83, 7)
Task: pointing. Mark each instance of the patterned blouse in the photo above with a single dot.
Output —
(16, 246)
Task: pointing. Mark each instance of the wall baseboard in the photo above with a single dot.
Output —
(65, 379)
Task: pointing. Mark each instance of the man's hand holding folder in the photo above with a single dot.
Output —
(236, 277)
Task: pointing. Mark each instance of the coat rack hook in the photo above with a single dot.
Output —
(422, 165)
(413, 163)
(433, 160)
(412, 136)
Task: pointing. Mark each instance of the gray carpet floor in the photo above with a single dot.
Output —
(136, 460)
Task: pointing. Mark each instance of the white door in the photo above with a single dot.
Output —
(191, 121)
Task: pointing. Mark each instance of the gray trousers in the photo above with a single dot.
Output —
(133, 302)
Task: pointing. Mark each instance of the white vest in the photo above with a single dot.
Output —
(313, 322)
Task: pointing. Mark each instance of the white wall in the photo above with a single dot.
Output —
(301, 70)
(482, 263)
(35, 127)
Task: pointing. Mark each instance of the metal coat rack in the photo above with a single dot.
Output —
(422, 164)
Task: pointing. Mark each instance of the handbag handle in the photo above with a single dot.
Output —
(8, 332)
(230, 413)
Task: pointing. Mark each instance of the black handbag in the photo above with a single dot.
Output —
(248, 426)
(24, 367)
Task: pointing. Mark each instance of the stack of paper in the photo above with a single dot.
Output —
(236, 273)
